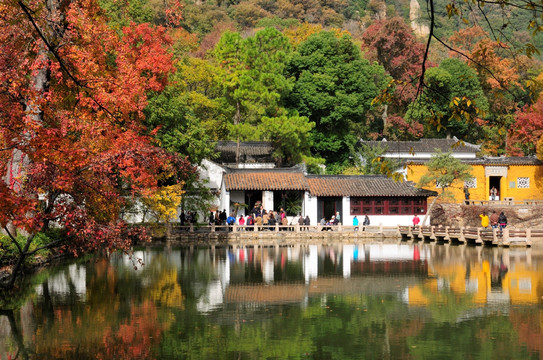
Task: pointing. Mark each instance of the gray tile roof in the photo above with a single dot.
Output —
(362, 185)
(425, 146)
(266, 179)
(250, 152)
(493, 161)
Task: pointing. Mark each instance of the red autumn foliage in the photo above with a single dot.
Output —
(526, 131)
(391, 43)
(73, 149)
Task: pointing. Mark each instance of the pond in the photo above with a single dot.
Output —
(365, 301)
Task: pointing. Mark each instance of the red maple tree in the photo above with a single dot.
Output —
(391, 43)
(526, 130)
(73, 150)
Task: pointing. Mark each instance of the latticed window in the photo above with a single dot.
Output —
(523, 183)
(471, 184)
(388, 205)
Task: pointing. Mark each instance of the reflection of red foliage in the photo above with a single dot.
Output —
(134, 339)
(99, 332)
(528, 327)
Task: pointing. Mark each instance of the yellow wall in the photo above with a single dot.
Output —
(535, 173)
(481, 192)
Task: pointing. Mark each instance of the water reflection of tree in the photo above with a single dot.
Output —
(120, 318)
(22, 351)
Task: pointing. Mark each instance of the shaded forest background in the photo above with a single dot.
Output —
(313, 77)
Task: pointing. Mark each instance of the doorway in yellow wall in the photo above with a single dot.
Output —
(494, 182)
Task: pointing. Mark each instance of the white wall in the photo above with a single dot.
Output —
(212, 172)
(309, 207)
(346, 210)
(426, 155)
(255, 166)
(267, 200)
(385, 220)
(225, 198)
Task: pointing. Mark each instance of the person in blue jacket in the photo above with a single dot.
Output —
(355, 223)
(231, 220)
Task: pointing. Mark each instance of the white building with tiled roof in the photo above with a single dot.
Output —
(386, 202)
(424, 148)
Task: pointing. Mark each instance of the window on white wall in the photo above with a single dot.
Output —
(523, 183)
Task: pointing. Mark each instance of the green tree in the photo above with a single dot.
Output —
(253, 86)
(188, 115)
(370, 160)
(334, 88)
(453, 102)
(289, 136)
(444, 172)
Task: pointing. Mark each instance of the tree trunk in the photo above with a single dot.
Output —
(237, 120)
(20, 261)
(429, 211)
(19, 161)
(384, 116)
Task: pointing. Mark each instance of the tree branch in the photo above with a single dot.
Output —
(48, 246)
(13, 240)
(427, 50)
(63, 66)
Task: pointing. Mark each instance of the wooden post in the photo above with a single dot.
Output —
(505, 236)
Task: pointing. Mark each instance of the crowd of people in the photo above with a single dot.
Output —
(257, 216)
(269, 218)
(188, 217)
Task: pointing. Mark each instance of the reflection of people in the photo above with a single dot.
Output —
(493, 193)
(484, 219)
(416, 220)
(497, 273)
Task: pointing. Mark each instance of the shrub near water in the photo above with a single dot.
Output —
(9, 252)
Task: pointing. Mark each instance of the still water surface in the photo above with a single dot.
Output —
(371, 301)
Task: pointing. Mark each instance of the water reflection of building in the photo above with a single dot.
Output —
(67, 284)
(267, 275)
(494, 276)
(418, 274)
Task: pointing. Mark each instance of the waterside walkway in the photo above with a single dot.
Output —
(473, 235)
(300, 234)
